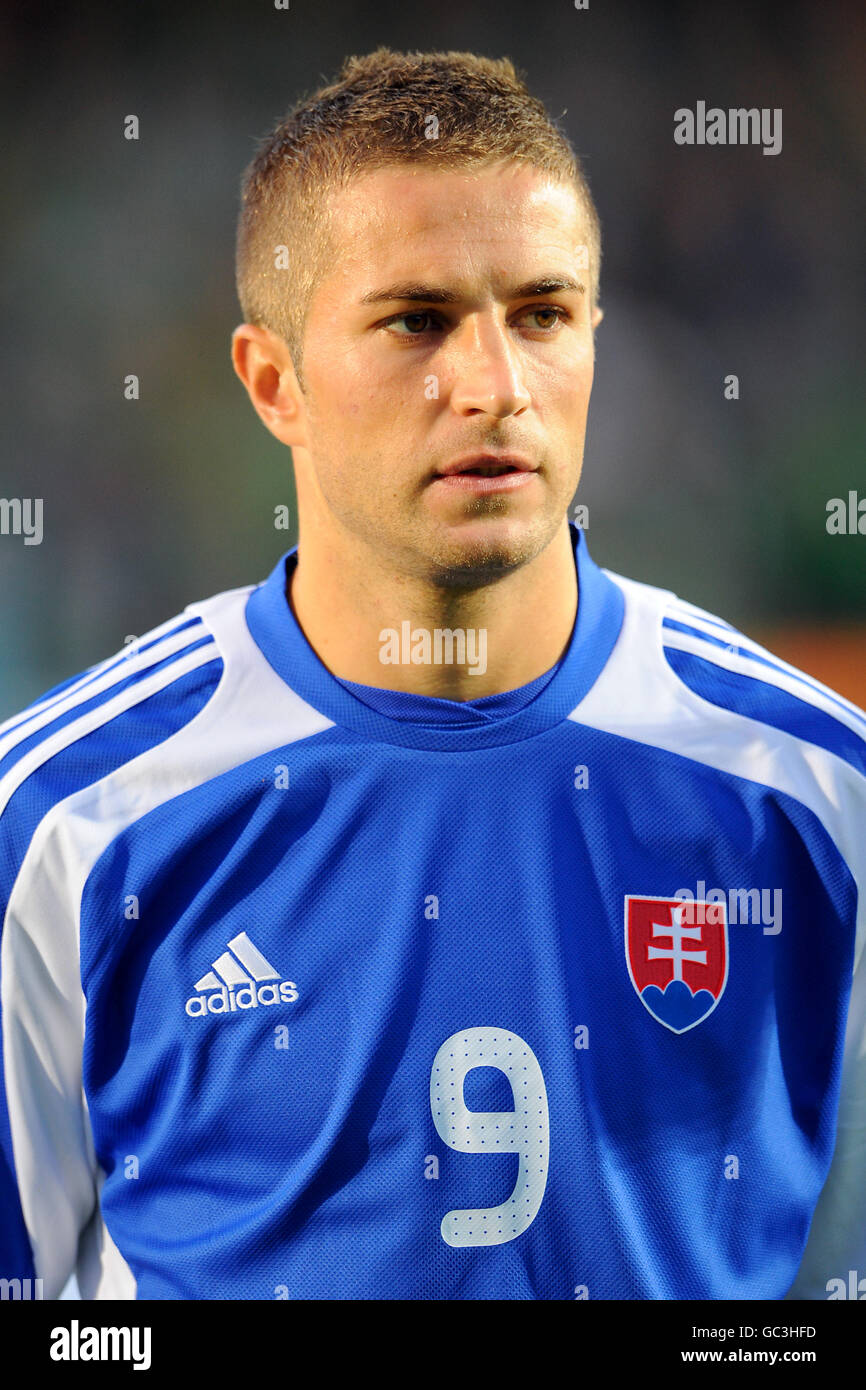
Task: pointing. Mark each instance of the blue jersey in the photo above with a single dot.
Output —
(314, 991)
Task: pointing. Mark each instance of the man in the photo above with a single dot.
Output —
(444, 917)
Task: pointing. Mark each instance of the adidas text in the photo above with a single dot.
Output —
(226, 1001)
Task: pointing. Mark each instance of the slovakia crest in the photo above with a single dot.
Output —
(677, 956)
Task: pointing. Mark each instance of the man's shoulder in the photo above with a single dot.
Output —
(90, 724)
(681, 668)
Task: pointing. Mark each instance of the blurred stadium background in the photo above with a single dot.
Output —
(118, 258)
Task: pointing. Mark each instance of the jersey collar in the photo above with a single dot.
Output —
(277, 634)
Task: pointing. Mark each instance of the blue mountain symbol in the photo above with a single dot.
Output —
(676, 1006)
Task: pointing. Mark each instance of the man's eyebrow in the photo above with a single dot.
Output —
(414, 292)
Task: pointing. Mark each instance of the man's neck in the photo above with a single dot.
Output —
(514, 630)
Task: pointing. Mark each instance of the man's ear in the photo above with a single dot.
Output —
(263, 362)
(597, 316)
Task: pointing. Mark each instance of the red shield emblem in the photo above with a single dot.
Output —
(677, 956)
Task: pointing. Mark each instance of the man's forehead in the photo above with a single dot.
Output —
(397, 214)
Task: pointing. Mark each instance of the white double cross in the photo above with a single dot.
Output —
(677, 952)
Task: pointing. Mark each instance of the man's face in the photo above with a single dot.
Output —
(439, 334)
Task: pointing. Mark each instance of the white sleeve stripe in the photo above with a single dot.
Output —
(95, 718)
(775, 663)
(96, 684)
(98, 667)
(780, 680)
(139, 690)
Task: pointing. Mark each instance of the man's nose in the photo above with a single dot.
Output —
(488, 376)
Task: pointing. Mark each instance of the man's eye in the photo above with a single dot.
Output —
(552, 315)
(416, 323)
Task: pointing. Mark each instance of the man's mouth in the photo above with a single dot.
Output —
(476, 475)
(486, 466)
(489, 470)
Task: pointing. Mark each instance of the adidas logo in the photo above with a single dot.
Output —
(242, 980)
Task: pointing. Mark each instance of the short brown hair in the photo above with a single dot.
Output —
(375, 115)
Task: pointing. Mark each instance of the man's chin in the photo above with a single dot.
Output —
(481, 550)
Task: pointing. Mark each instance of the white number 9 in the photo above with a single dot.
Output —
(525, 1130)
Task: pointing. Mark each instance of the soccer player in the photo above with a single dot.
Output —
(443, 917)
